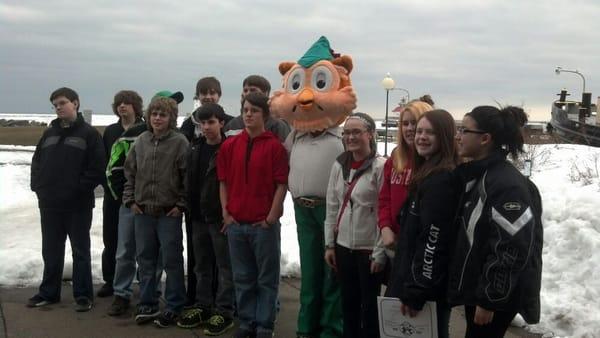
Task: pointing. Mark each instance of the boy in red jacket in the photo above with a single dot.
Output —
(252, 168)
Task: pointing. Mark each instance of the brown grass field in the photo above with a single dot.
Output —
(25, 136)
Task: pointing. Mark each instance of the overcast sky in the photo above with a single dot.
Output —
(463, 53)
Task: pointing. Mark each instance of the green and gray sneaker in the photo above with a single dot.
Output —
(193, 317)
(217, 325)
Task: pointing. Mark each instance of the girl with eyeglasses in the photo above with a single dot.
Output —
(351, 233)
(397, 173)
(496, 269)
(427, 232)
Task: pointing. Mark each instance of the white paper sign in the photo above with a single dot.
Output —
(392, 324)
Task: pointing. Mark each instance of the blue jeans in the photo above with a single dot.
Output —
(154, 235)
(255, 253)
(125, 257)
(56, 226)
(125, 270)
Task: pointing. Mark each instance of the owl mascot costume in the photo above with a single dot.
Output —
(316, 98)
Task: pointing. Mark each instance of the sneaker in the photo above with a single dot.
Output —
(38, 301)
(217, 325)
(83, 304)
(145, 314)
(119, 306)
(105, 291)
(166, 319)
(243, 333)
(193, 317)
(265, 334)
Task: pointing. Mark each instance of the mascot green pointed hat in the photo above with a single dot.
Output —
(320, 50)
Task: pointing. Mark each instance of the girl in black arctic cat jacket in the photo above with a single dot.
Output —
(496, 268)
(426, 234)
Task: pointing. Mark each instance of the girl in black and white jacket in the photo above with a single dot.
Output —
(496, 268)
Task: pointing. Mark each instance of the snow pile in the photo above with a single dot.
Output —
(567, 176)
(570, 188)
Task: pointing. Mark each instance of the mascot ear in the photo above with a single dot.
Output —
(285, 66)
(342, 61)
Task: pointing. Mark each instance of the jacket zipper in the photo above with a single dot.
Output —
(154, 171)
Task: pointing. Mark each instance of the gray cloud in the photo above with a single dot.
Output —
(463, 53)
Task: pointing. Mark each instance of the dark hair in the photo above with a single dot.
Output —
(128, 97)
(69, 93)
(209, 110)
(258, 81)
(163, 104)
(446, 158)
(205, 84)
(505, 125)
(260, 100)
(371, 128)
(427, 99)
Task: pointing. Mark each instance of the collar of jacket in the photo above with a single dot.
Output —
(202, 139)
(78, 121)
(345, 160)
(474, 169)
(163, 136)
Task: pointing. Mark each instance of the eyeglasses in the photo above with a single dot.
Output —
(353, 132)
(463, 130)
(59, 103)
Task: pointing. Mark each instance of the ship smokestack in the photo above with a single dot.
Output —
(563, 95)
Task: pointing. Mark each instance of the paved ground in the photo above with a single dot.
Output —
(60, 320)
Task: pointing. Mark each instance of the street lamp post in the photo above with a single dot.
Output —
(558, 70)
(404, 90)
(388, 84)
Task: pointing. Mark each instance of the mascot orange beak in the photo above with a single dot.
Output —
(306, 99)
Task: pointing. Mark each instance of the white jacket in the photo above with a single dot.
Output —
(358, 224)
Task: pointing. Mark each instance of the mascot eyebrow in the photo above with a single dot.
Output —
(316, 91)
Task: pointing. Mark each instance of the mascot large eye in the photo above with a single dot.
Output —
(295, 81)
(321, 78)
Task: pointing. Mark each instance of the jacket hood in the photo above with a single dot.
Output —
(345, 160)
(264, 136)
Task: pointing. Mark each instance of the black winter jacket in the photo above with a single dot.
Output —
(202, 194)
(67, 165)
(425, 242)
(498, 257)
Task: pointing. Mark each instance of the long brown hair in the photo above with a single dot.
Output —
(401, 155)
(446, 158)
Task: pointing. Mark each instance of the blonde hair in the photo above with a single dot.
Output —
(401, 155)
(163, 104)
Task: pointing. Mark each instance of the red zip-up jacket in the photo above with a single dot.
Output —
(251, 169)
(393, 194)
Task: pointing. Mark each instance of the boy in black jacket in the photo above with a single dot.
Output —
(209, 242)
(67, 165)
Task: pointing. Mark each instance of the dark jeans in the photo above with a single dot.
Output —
(495, 329)
(360, 289)
(443, 319)
(255, 255)
(191, 261)
(210, 246)
(56, 226)
(165, 234)
(110, 230)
